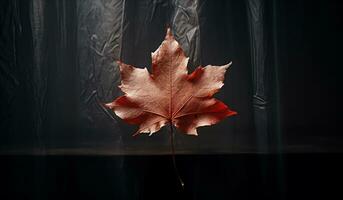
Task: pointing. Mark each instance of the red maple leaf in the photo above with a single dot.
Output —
(170, 95)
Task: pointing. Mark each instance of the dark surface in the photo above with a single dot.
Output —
(241, 176)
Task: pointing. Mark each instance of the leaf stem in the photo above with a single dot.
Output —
(173, 156)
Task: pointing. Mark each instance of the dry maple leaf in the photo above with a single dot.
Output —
(170, 94)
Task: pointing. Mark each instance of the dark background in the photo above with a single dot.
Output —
(56, 68)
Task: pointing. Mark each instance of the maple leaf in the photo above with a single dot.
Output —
(170, 94)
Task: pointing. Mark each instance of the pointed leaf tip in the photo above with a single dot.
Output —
(169, 34)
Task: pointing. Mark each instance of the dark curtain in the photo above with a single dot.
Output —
(58, 68)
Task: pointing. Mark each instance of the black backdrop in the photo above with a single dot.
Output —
(56, 68)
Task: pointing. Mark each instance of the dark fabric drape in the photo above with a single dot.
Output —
(260, 53)
(57, 68)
